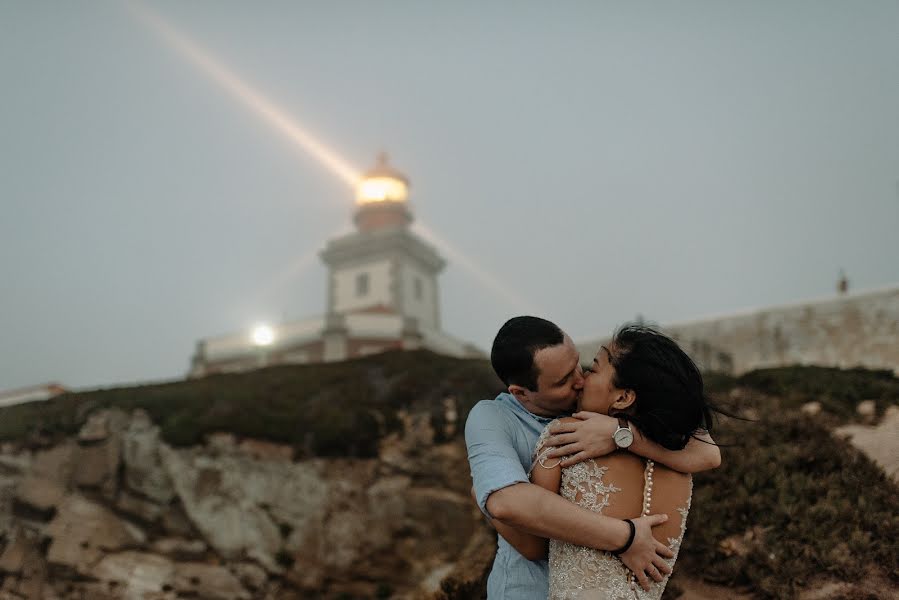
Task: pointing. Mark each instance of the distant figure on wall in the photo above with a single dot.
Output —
(842, 283)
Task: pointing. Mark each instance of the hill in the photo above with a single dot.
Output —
(793, 508)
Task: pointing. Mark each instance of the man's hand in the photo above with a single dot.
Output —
(646, 554)
(591, 437)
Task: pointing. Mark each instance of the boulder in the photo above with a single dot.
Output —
(138, 507)
(56, 463)
(12, 560)
(144, 472)
(222, 441)
(95, 429)
(135, 575)
(243, 506)
(82, 531)
(811, 408)
(13, 462)
(96, 466)
(208, 582)
(262, 450)
(39, 496)
(252, 576)
(24, 567)
(180, 548)
(439, 525)
(176, 522)
(866, 409)
(217, 497)
(8, 503)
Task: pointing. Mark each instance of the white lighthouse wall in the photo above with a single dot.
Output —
(424, 309)
(345, 296)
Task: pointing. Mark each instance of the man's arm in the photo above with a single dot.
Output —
(503, 492)
(591, 437)
(538, 511)
(529, 546)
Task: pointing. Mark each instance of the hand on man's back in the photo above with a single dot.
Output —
(645, 557)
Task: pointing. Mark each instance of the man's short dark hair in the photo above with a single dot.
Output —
(514, 347)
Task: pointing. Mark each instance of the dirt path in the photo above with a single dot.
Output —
(880, 443)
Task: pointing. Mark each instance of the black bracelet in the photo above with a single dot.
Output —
(630, 539)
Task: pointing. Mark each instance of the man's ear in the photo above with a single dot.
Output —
(625, 399)
(518, 391)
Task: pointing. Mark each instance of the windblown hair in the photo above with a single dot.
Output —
(671, 405)
(515, 345)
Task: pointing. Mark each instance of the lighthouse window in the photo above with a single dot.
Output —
(361, 284)
(418, 288)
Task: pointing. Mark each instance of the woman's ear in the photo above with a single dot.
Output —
(625, 399)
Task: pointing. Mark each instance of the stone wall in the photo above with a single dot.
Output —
(845, 331)
(852, 330)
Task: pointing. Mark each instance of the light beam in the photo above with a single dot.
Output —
(284, 124)
(500, 289)
(261, 106)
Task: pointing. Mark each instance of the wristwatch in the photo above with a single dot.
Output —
(623, 436)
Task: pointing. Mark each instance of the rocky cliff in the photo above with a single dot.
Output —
(350, 481)
(115, 512)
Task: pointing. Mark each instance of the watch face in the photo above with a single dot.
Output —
(623, 438)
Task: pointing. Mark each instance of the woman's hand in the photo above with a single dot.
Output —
(646, 555)
(589, 437)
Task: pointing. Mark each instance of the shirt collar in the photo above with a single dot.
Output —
(510, 399)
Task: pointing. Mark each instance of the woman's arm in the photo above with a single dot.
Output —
(590, 436)
(698, 455)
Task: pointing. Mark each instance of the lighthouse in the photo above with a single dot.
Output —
(382, 292)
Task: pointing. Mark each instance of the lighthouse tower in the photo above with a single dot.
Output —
(382, 268)
(382, 294)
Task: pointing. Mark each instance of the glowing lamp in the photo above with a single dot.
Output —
(263, 335)
(381, 189)
(382, 184)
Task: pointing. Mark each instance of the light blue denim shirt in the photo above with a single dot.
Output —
(501, 435)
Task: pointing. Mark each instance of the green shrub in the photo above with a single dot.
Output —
(817, 505)
(838, 390)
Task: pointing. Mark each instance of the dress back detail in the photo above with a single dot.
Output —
(580, 573)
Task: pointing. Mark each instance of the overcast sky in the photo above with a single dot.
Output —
(598, 160)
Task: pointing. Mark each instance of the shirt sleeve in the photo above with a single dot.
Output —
(491, 452)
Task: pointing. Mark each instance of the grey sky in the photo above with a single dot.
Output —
(672, 159)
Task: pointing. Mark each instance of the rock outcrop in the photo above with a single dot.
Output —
(115, 513)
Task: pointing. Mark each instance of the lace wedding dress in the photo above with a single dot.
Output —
(579, 573)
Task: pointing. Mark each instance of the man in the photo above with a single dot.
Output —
(540, 366)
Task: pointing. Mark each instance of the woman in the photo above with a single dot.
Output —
(643, 378)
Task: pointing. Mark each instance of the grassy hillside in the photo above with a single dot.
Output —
(790, 505)
(336, 409)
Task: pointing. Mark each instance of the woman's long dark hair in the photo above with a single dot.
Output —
(671, 405)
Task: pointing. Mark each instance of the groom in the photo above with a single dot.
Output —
(540, 366)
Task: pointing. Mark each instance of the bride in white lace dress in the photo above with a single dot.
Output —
(644, 378)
